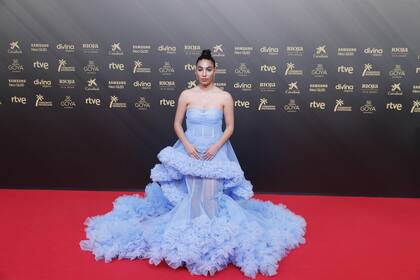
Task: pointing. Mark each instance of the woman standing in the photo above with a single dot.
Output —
(198, 210)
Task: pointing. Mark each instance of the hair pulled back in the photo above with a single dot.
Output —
(206, 54)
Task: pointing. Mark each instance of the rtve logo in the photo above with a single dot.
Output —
(317, 105)
(116, 66)
(345, 69)
(242, 104)
(18, 99)
(393, 106)
(268, 68)
(40, 65)
(167, 102)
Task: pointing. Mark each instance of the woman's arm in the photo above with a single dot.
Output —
(179, 130)
(229, 126)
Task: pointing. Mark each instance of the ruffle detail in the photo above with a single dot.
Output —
(253, 235)
(175, 165)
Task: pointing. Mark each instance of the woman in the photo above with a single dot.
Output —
(197, 211)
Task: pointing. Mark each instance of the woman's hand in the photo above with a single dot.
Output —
(192, 151)
(211, 152)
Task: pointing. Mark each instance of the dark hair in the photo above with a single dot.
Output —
(206, 54)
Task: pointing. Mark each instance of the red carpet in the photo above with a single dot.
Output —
(347, 238)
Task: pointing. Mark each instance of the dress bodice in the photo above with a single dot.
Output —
(204, 123)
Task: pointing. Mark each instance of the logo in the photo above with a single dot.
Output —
(373, 51)
(344, 88)
(40, 102)
(35, 47)
(368, 72)
(367, 108)
(166, 69)
(218, 50)
(91, 67)
(243, 50)
(290, 70)
(264, 106)
(62, 66)
(116, 84)
(291, 107)
(14, 48)
(317, 105)
(145, 85)
(17, 83)
(397, 72)
(416, 107)
(41, 65)
(370, 88)
(116, 49)
(167, 85)
(321, 52)
(242, 86)
(18, 100)
(91, 85)
(293, 88)
(395, 89)
(116, 66)
(339, 106)
(15, 67)
(90, 48)
(393, 106)
(189, 67)
(242, 104)
(142, 49)
(318, 87)
(268, 86)
(115, 104)
(416, 88)
(399, 52)
(93, 101)
(346, 51)
(269, 50)
(242, 70)
(138, 67)
(294, 50)
(221, 85)
(220, 70)
(319, 71)
(67, 83)
(345, 69)
(268, 68)
(65, 47)
(167, 49)
(192, 49)
(142, 104)
(191, 84)
(43, 83)
(67, 103)
(167, 102)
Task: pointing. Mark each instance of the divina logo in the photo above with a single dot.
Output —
(65, 47)
(269, 50)
(242, 86)
(167, 49)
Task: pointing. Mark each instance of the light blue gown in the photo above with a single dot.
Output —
(197, 213)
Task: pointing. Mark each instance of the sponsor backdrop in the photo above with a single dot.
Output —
(327, 93)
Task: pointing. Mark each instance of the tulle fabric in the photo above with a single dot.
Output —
(197, 213)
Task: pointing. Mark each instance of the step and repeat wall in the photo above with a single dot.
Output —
(327, 93)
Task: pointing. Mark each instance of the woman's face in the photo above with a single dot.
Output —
(205, 72)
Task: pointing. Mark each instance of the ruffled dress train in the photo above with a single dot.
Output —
(197, 213)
